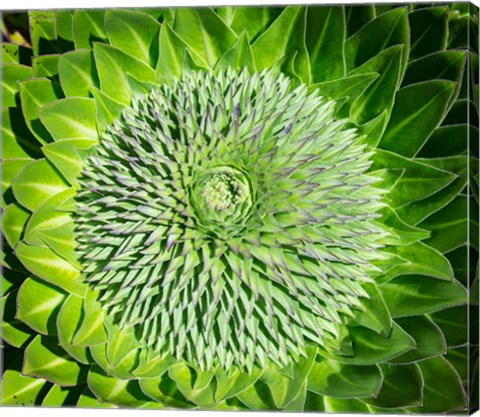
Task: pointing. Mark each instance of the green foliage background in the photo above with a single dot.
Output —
(405, 76)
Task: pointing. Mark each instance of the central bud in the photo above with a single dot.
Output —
(221, 195)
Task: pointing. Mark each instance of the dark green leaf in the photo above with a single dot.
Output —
(428, 337)
(429, 30)
(442, 390)
(402, 387)
(400, 232)
(334, 379)
(418, 109)
(447, 141)
(325, 39)
(379, 96)
(42, 32)
(449, 226)
(454, 324)
(387, 30)
(413, 295)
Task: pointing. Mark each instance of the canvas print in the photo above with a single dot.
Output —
(241, 208)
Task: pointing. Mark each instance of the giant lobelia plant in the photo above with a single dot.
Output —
(241, 208)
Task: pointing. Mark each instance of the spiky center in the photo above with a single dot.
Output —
(222, 195)
(229, 218)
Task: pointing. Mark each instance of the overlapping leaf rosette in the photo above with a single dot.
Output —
(240, 208)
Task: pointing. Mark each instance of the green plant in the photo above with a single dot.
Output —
(240, 208)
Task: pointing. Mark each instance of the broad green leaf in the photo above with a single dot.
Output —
(284, 35)
(232, 383)
(429, 30)
(298, 404)
(20, 390)
(108, 110)
(64, 27)
(340, 405)
(77, 73)
(418, 181)
(459, 359)
(48, 216)
(120, 341)
(379, 95)
(88, 27)
(417, 211)
(141, 31)
(45, 264)
(42, 32)
(371, 348)
(68, 319)
(348, 87)
(401, 233)
(14, 218)
(17, 140)
(254, 19)
(454, 323)
(36, 183)
(46, 66)
(10, 169)
(446, 65)
(418, 109)
(62, 397)
(459, 112)
(325, 39)
(447, 141)
(358, 16)
(205, 32)
(113, 65)
(402, 387)
(239, 56)
(417, 258)
(164, 390)
(449, 226)
(11, 74)
(387, 30)
(442, 389)
(373, 130)
(69, 156)
(44, 359)
(38, 304)
(412, 295)
(331, 378)
(88, 400)
(16, 54)
(285, 389)
(92, 330)
(70, 118)
(375, 316)
(14, 332)
(187, 378)
(120, 392)
(428, 338)
(152, 367)
(35, 94)
(257, 397)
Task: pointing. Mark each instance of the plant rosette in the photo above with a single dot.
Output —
(238, 208)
